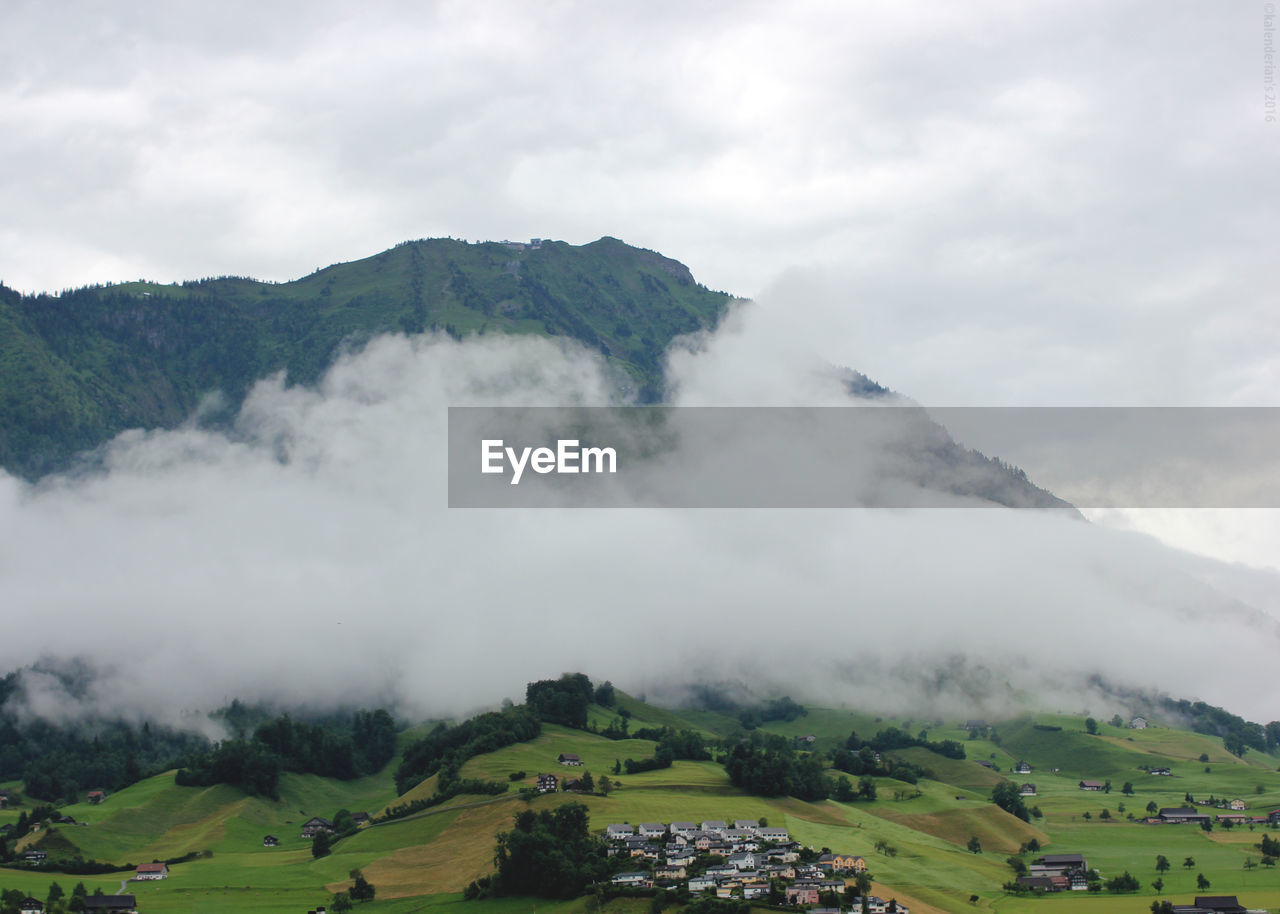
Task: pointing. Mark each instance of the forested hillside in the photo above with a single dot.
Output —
(83, 365)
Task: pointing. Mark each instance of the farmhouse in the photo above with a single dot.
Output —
(4, 798)
(1164, 772)
(1058, 865)
(31, 906)
(270, 841)
(315, 826)
(975, 725)
(1236, 804)
(1091, 785)
(1022, 768)
(360, 819)
(97, 796)
(1213, 904)
(875, 905)
(1138, 723)
(151, 871)
(34, 858)
(1045, 883)
(547, 783)
(110, 904)
(1027, 790)
(1179, 814)
(568, 758)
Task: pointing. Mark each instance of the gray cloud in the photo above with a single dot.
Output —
(980, 205)
(308, 557)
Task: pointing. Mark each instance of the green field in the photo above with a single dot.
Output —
(422, 862)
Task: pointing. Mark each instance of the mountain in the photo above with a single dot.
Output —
(78, 367)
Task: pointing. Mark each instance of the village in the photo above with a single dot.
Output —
(746, 859)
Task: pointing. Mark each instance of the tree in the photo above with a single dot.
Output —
(1091, 726)
(974, 845)
(1204, 757)
(1006, 796)
(360, 889)
(1105, 814)
(55, 893)
(548, 854)
(1250, 863)
(343, 824)
(1189, 863)
(604, 694)
(866, 787)
(1123, 883)
(605, 785)
(1152, 808)
(1117, 721)
(844, 790)
(1201, 882)
(1086, 815)
(1162, 864)
(341, 902)
(1106, 788)
(588, 782)
(320, 845)
(1158, 885)
(1127, 789)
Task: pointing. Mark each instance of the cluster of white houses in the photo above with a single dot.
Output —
(755, 858)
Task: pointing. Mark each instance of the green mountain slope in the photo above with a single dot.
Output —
(79, 367)
(422, 861)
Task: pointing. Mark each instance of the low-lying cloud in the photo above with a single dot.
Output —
(307, 557)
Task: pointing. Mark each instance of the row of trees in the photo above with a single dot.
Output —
(58, 764)
(449, 747)
(56, 900)
(362, 747)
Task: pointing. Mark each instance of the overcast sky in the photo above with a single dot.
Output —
(996, 202)
(989, 203)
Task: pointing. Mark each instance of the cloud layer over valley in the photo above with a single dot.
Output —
(308, 557)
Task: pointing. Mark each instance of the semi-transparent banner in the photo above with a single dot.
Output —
(864, 456)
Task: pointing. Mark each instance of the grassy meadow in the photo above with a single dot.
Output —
(422, 862)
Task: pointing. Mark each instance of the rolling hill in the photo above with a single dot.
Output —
(914, 837)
